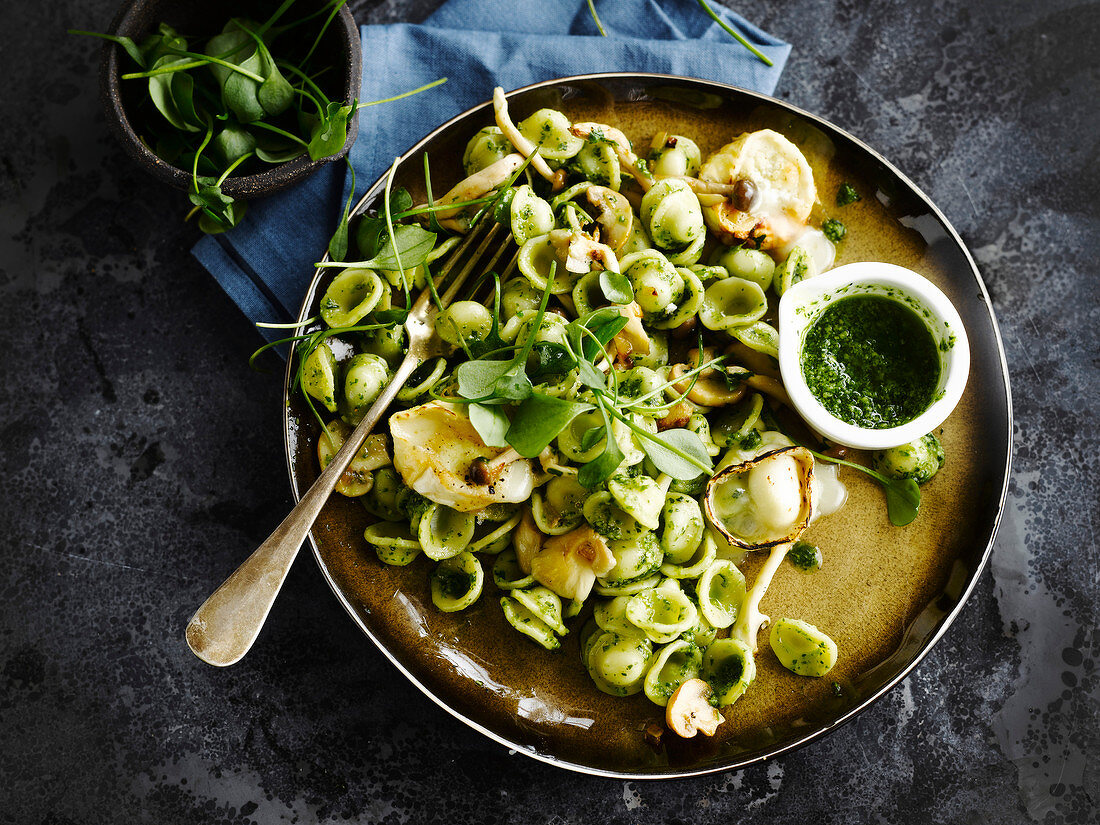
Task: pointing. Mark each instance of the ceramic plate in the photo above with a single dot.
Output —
(885, 594)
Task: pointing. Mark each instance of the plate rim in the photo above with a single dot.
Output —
(871, 699)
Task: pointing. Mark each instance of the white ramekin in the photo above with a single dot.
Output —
(802, 303)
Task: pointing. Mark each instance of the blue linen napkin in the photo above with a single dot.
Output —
(266, 263)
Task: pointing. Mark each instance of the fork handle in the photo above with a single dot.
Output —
(226, 625)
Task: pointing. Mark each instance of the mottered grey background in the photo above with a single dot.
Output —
(141, 460)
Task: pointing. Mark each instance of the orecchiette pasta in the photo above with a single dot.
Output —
(635, 320)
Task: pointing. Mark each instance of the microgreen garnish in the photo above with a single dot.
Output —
(616, 287)
(902, 496)
(338, 246)
(389, 246)
(736, 35)
(596, 17)
(243, 98)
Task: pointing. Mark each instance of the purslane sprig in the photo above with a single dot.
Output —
(237, 105)
(705, 6)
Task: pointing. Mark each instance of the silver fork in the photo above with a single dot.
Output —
(226, 625)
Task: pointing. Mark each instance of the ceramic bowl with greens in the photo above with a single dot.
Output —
(232, 102)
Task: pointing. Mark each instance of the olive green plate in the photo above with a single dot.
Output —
(884, 594)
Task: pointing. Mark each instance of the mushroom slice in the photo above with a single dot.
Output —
(765, 501)
(773, 193)
(580, 253)
(476, 186)
(711, 389)
(440, 455)
(527, 541)
(632, 338)
(516, 138)
(678, 415)
(569, 564)
(614, 215)
(689, 711)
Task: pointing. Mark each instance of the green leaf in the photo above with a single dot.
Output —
(275, 94)
(209, 196)
(553, 359)
(902, 496)
(477, 378)
(601, 468)
(902, 501)
(338, 246)
(616, 287)
(156, 46)
(592, 437)
(538, 420)
(239, 92)
(491, 424)
(607, 329)
(128, 45)
(233, 142)
(665, 453)
(280, 155)
(330, 132)
(492, 342)
(590, 376)
(398, 315)
(514, 385)
(412, 242)
(232, 46)
(160, 92)
(233, 215)
(369, 236)
(182, 88)
(400, 200)
(603, 324)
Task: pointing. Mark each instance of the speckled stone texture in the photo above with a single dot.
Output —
(141, 461)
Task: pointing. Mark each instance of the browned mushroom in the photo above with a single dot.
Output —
(689, 711)
(614, 215)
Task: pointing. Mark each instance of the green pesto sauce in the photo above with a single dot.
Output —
(805, 556)
(871, 361)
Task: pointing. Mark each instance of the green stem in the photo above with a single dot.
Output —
(176, 67)
(223, 63)
(390, 230)
(521, 356)
(324, 27)
(278, 131)
(195, 164)
(279, 12)
(596, 17)
(423, 88)
(689, 374)
(233, 166)
(305, 78)
(875, 475)
(433, 207)
(736, 35)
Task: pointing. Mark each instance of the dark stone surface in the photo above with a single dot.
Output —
(140, 463)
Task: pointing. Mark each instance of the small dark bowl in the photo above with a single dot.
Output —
(139, 18)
